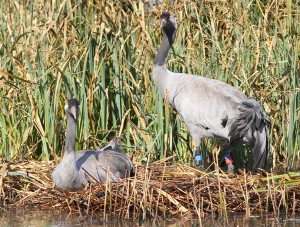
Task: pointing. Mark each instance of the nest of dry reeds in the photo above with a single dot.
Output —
(157, 189)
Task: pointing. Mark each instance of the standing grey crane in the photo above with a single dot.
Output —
(211, 108)
(73, 170)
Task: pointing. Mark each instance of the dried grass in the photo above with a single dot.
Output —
(158, 189)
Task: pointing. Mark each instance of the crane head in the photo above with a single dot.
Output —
(167, 22)
(72, 108)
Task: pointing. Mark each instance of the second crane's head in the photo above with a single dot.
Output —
(72, 108)
(168, 23)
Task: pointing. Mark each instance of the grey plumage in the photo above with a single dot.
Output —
(76, 167)
(210, 108)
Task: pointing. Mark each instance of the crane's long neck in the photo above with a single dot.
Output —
(70, 136)
(163, 51)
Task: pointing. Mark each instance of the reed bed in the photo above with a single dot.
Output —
(158, 189)
(102, 52)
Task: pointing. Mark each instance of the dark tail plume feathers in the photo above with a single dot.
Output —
(252, 126)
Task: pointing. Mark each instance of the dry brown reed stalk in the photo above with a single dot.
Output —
(158, 189)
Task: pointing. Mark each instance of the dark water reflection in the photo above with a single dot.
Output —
(24, 217)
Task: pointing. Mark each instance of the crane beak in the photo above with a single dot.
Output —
(163, 22)
(74, 112)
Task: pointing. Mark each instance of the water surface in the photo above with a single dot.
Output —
(16, 217)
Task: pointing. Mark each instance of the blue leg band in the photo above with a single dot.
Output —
(198, 157)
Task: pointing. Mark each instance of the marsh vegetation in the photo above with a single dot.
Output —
(102, 53)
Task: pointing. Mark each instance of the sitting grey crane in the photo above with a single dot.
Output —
(75, 168)
(211, 108)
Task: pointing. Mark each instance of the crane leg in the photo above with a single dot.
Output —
(198, 158)
(228, 161)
